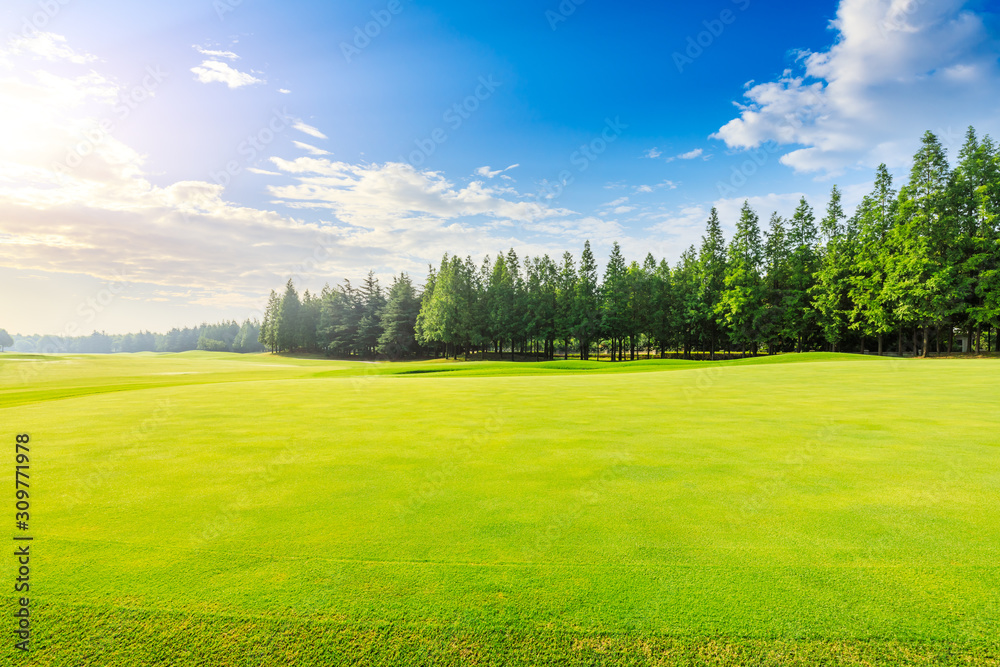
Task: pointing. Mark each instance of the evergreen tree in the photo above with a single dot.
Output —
(872, 311)
(802, 266)
(663, 309)
(289, 329)
(269, 329)
(566, 302)
(588, 303)
(369, 327)
(830, 293)
(712, 269)
(774, 314)
(921, 280)
(614, 315)
(309, 321)
(687, 301)
(399, 319)
(742, 303)
(425, 298)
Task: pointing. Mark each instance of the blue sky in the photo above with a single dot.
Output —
(166, 164)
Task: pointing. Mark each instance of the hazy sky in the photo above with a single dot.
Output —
(168, 163)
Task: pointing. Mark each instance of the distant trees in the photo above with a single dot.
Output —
(221, 337)
(5, 339)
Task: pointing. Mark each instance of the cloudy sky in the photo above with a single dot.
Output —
(165, 164)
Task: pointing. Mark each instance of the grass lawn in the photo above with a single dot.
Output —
(214, 509)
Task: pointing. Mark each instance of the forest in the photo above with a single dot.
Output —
(910, 272)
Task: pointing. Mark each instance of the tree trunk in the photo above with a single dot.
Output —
(923, 350)
(899, 342)
(880, 336)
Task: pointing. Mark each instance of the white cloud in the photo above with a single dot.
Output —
(49, 46)
(312, 150)
(690, 155)
(229, 55)
(262, 172)
(646, 189)
(308, 129)
(216, 71)
(653, 153)
(284, 91)
(896, 69)
(395, 195)
(486, 172)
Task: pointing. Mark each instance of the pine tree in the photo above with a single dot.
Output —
(289, 329)
(588, 302)
(921, 280)
(420, 328)
(802, 266)
(687, 301)
(614, 315)
(774, 316)
(830, 293)
(712, 268)
(743, 298)
(399, 319)
(974, 197)
(369, 327)
(872, 311)
(269, 328)
(565, 302)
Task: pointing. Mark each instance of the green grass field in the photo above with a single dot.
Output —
(213, 509)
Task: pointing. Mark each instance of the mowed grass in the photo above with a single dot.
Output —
(225, 510)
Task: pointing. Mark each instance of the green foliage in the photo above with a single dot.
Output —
(399, 319)
(289, 323)
(742, 304)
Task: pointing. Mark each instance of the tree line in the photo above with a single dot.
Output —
(911, 269)
(228, 336)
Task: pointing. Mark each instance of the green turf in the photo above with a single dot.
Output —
(218, 509)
